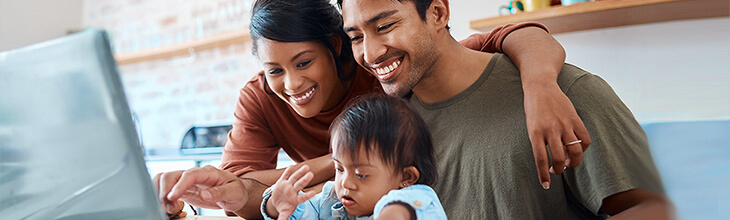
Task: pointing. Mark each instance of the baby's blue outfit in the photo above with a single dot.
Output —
(325, 205)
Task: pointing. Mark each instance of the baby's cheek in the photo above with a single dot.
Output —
(372, 200)
(337, 186)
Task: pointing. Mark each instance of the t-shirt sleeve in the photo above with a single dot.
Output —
(251, 144)
(420, 199)
(618, 158)
(492, 41)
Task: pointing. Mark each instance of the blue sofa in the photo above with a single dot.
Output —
(693, 158)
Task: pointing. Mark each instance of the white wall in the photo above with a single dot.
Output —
(25, 22)
(663, 72)
(669, 71)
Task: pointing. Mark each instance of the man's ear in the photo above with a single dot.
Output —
(336, 42)
(439, 11)
(410, 176)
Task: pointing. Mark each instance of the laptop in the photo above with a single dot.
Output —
(68, 147)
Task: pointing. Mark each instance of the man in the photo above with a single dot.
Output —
(472, 102)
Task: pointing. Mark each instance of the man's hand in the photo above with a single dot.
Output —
(206, 187)
(285, 194)
(553, 122)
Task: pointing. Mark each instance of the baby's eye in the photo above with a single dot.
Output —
(361, 176)
(339, 170)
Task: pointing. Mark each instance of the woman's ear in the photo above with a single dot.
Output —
(410, 176)
(337, 44)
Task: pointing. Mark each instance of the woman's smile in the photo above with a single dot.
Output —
(303, 98)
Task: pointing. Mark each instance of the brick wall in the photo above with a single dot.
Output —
(171, 95)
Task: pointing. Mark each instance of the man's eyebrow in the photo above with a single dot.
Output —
(374, 19)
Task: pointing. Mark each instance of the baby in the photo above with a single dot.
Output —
(383, 161)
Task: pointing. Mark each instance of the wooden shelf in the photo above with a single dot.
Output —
(558, 19)
(214, 41)
(611, 13)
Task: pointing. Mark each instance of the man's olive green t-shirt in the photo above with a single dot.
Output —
(484, 157)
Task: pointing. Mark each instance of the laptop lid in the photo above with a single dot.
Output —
(68, 147)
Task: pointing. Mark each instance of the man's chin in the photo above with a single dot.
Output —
(394, 92)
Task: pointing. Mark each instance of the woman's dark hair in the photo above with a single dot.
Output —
(388, 127)
(300, 21)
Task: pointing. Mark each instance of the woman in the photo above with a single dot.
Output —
(309, 76)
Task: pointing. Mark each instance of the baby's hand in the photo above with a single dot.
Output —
(285, 193)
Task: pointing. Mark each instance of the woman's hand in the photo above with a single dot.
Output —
(553, 122)
(285, 194)
(551, 118)
(206, 187)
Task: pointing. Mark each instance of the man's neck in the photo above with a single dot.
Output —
(456, 68)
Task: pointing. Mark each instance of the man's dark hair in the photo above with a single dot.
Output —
(300, 21)
(421, 7)
(387, 127)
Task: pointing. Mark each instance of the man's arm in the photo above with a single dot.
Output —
(638, 204)
(257, 181)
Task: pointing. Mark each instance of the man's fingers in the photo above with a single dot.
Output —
(558, 155)
(541, 161)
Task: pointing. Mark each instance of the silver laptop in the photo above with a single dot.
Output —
(68, 147)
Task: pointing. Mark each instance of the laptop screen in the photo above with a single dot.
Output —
(68, 147)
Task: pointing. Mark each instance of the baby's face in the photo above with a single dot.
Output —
(361, 181)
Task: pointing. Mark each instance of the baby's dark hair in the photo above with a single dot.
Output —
(391, 128)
